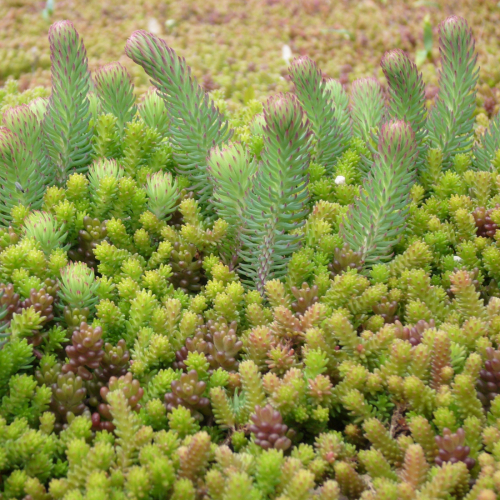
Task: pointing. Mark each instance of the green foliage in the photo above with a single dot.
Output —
(326, 111)
(407, 95)
(66, 122)
(24, 167)
(116, 93)
(451, 119)
(232, 175)
(279, 196)
(195, 124)
(485, 153)
(45, 230)
(293, 317)
(163, 194)
(78, 286)
(367, 107)
(376, 220)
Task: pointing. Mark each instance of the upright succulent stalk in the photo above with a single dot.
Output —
(78, 286)
(486, 150)
(163, 194)
(196, 125)
(367, 106)
(24, 168)
(67, 117)
(232, 175)
(153, 111)
(327, 115)
(367, 113)
(116, 92)
(451, 120)
(27, 124)
(374, 223)
(340, 102)
(276, 204)
(18, 178)
(407, 95)
(45, 230)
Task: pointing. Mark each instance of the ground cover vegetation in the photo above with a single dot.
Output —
(297, 299)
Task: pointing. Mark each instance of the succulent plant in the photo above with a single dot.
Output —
(66, 122)
(78, 286)
(86, 351)
(42, 302)
(48, 371)
(102, 168)
(187, 271)
(133, 392)
(24, 169)
(485, 226)
(223, 345)
(387, 309)
(176, 219)
(115, 91)
(281, 357)
(68, 395)
(163, 194)
(488, 385)
(375, 242)
(3, 323)
(452, 448)
(413, 334)
(114, 362)
(269, 430)
(305, 297)
(45, 230)
(197, 343)
(93, 233)
(188, 392)
(73, 318)
(9, 300)
(323, 261)
(344, 260)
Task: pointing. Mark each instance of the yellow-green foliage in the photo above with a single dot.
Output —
(198, 302)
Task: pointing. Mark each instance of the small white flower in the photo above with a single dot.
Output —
(169, 23)
(340, 179)
(456, 258)
(286, 53)
(154, 26)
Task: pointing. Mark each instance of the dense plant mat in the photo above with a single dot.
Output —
(296, 300)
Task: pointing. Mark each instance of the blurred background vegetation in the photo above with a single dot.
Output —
(242, 47)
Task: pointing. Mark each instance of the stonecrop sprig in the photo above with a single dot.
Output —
(294, 301)
(66, 120)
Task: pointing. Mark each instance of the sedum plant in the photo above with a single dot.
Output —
(310, 311)
(196, 125)
(276, 203)
(66, 120)
(25, 171)
(374, 222)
